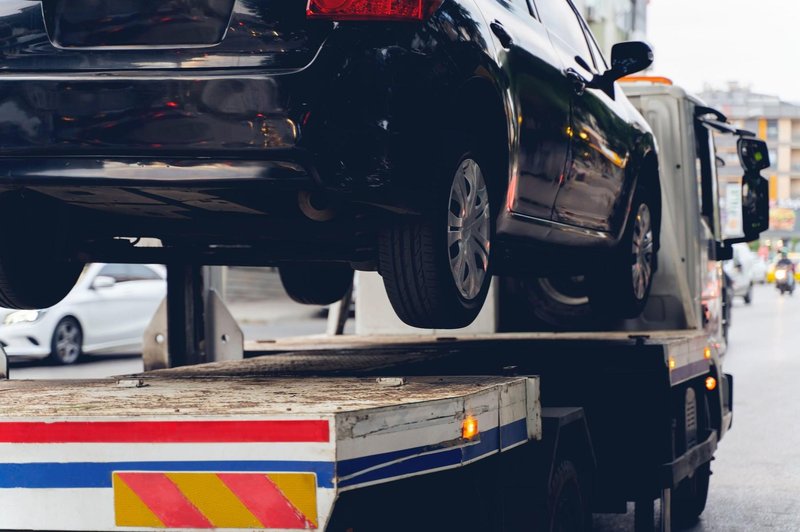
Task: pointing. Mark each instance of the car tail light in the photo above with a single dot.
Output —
(372, 9)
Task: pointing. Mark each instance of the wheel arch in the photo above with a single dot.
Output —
(487, 122)
(650, 178)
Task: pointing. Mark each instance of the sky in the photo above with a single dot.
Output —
(753, 42)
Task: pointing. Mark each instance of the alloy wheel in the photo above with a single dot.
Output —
(642, 250)
(67, 341)
(469, 229)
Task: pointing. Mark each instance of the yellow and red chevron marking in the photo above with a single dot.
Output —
(215, 500)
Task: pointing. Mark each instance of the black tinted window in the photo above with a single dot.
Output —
(562, 22)
(118, 271)
(129, 272)
(139, 272)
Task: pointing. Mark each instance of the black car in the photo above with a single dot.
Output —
(435, 141)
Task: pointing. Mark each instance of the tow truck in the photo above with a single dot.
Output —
(410, 431)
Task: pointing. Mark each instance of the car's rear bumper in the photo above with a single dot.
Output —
(335, 125)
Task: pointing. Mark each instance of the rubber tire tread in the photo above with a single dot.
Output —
(409, 272)
(564, 473)
(30, 278)
(415, 268)
(316, 283)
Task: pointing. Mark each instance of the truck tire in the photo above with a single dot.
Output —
(316, 283)
(690, 495)
(567, 507)
(437, 268)
(689, 498)
(623, 291)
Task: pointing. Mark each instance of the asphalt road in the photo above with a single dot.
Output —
(756, 481)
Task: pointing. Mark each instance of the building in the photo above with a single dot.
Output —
(613, 21)
(777, 122)
(772, 119)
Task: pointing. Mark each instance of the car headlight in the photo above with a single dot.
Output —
(22, 316)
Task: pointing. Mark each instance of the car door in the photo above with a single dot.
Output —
(542, 105)
(593, 190)
(101, 317)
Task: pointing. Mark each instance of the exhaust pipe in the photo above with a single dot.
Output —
(315, 206)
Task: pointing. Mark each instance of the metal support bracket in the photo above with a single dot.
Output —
(3, 364)
(666, 514)
(338, 314)
(192, 325)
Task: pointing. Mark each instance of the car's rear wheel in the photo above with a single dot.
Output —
(31, 275)
(316, 283)
(436, 268)
(623, 291)
(66, 346)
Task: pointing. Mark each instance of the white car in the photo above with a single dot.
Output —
(107, 312)
(740, 271)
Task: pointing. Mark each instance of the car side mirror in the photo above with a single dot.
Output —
(629, 58)
(103, 281)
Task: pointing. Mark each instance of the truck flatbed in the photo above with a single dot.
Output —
(240, 453)
(274, 441)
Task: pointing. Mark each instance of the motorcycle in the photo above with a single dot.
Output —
(784, 279)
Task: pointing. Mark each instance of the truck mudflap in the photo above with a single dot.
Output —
(685, 465)
(164, 454)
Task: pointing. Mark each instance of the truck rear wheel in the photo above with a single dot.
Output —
(567, 507)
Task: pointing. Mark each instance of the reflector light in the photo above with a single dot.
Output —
(469, 428)
(658, 80)
(372, 9)
(707, 353)
(711, 383)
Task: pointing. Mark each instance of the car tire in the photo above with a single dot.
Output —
(30, 275)
(316, 283)
(555, 303)
(623, 291)
(66, 346)
(436, 269)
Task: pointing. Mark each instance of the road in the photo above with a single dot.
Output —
(756, 478)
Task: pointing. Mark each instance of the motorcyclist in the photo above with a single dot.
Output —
(786, 264)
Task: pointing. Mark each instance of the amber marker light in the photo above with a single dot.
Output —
(711, 383)
(707, 353)
(672, 363)
(469, 428)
